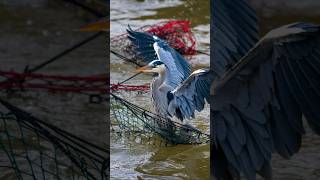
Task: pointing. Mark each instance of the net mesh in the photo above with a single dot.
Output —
(33, 149)
(176, 32)
(134, 119)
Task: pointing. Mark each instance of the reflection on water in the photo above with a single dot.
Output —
(131, 160)
(181, 161)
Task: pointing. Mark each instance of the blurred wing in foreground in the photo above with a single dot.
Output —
(234, 31)
(259, 103)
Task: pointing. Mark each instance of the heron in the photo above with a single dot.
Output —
(262, 90)
(176, 91)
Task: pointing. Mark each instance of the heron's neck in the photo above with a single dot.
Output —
(162, 75)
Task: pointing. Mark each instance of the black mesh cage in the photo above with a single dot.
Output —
(33, 149)
(134, 119)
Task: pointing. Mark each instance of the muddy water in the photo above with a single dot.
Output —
(131, 160)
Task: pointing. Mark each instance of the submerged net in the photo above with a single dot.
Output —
(134, 119)
(33, 149)
(176, 32)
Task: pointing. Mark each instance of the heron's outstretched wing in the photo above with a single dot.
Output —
(143, 43)
(234, 30)
(192, 94)
(151, 47)
(259, 103)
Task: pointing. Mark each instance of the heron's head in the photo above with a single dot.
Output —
(155, 66)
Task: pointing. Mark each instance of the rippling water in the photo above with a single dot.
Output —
(192, 162)
(131, 160)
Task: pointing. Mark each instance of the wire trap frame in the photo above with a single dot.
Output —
(133, 118)
(33, 149)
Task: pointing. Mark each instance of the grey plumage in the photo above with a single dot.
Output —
(176, 92)
(261, 91)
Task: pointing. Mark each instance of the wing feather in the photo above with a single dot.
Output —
(277, 83)
(151, 47)
(192, 94)
(234, 31)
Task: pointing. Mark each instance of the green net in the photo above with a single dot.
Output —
(134, 119)
(33, 149)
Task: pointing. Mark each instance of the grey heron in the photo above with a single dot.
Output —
(176, 92)
(261, 90)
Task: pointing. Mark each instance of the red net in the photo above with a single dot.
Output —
(176, 32)
(96, 84)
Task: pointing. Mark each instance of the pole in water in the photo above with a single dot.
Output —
(201, 52)
(125, 58)
(130, 78)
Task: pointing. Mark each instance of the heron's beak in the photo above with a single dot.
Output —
(144, 69)
(100, 25)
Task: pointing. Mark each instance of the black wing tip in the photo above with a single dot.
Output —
(130, 31)
(306, 26)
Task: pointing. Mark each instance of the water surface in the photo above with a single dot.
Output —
(132, 160)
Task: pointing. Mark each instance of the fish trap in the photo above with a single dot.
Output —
(134, 119)
(176, 32)
(33, 149)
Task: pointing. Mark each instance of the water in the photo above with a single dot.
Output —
(131, 160)
(30, 35)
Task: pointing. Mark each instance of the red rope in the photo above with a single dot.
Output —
(177, 33)
(125, 87)
(95, 83)
(16, 75)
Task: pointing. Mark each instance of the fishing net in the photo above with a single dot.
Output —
(23, 81)
(33, 149)
(176, 32)
(134, 119)
(93, 86)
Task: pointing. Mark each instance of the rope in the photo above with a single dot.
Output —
(75, 84)
(134, 61)
(129, 78)
(63, 53)
(177, 33)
